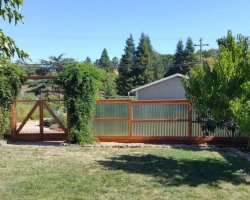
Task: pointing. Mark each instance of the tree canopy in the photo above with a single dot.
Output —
(184, 58)
(9, 10)
(220, 91)
(105, 62)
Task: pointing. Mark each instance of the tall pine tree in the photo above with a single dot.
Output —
(144, 52)
(190, 58)
(184, 58)
(88, 60)
(104, 62)
(178, 61)
(142, 72)
(124, 82)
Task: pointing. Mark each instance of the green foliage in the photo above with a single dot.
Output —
(140, 65)
(220, 92)
(142, 71)
(124, 81)
(211, 53)
(184, 58)
(189, 52)
(10, 85)
(4, 122)
(104, 62)
(55, 64)
(241, 109)
(144, 52)
(88, 60)
(81, 83)
(109, 85)
(9, 11)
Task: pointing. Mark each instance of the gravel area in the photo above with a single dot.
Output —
(32, 126)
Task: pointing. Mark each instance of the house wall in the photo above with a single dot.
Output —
(168, 89)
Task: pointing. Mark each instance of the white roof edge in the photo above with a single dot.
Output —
(158, 81)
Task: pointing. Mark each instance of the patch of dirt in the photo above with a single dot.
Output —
(33, 126)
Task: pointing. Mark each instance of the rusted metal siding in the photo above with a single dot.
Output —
(168, 89)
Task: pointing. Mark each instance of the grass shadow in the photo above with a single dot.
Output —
(177, 172)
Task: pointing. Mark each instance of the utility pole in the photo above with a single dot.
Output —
(201, 45)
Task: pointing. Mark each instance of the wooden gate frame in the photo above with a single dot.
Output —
(15, 133)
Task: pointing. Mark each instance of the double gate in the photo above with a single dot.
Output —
(34, 120)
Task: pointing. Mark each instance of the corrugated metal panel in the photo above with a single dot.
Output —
(111, 128)
(169, 89)
(160, 128)
(160, 111)
(111, 111)
(197, 131)
(114, 127)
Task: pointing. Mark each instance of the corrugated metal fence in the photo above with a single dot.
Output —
(149, 121)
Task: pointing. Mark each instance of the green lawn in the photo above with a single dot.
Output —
(121, 173)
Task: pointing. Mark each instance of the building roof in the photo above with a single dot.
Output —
(158, 81)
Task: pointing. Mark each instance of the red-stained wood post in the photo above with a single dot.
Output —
(41, 118)
(130, 116)
(190, 120)
(13, 121)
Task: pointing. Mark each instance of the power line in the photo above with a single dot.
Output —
(201, 45)
(57, 36)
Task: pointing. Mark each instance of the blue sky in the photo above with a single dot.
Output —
(81, 28)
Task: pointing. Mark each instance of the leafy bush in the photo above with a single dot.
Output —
(220, 92)
(4, 122)
(10, 85)
(81, 83)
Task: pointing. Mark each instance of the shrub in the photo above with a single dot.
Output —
(10, 85)
(81, 83)
(4, 122)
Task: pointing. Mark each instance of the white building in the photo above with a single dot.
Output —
(170, 87)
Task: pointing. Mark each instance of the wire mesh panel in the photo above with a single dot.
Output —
(32, 124)
(54, 117)
(39, 120)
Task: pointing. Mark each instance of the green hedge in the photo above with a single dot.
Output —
(81, 83)
(10, 85)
